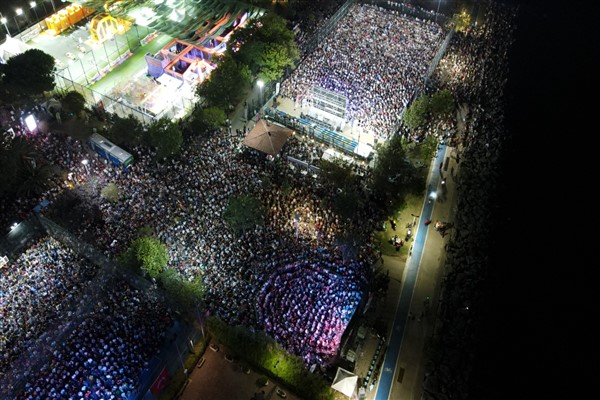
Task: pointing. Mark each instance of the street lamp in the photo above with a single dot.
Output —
(85, 164)
(4, 21)
(260, 84)
(438, 10)
(33, 5)
(19, 12)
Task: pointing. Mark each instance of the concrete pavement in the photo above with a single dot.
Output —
(403, 368)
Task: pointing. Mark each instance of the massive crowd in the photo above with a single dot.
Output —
(376, 59)
(182, 200)
(103, 355)
(282, 277)
(37, 291)
(476, 69)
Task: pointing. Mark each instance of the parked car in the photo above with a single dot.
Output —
(214, 347)
(281, 393)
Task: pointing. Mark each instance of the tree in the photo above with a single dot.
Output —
(28, 74)
(393, 175)
(166, 136)
(73, 102)
(126, 132)
(213, 117)
(243, 213)
(110, 192)
(147, 254)
(34, 179)
(347, 203)
(227, 84)
(441, 104)
(274, 59)
(337, 173)
(266, 46)
(15, 155)
(463, 20)
(187, 294)
(416, 114)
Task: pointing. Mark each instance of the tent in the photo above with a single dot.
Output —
(267, 137)
(345, 382)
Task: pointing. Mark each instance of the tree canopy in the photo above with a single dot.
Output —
(393, 175)
(227, 84)
(424, 108)
(147, 254)
(416, 114)
(213, 117)
(187, 294)
(166, 136)
(126, 132)
(441, 103)
(243, 213)
(73, 102)
(266, 46)
(28, 74)
(22, 170)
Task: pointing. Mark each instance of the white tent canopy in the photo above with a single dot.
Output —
(345, 382)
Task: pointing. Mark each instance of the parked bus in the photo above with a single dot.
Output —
(110, 151)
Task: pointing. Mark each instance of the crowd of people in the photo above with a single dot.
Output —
(37, 291)
(308, 302)
(281, 277)
(104, 354)
(376, 59)
(475, 68)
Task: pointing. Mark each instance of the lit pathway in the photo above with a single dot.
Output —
(388, 371)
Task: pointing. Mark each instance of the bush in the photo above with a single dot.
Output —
(110, 192)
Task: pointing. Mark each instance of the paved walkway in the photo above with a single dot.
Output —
(402, 370)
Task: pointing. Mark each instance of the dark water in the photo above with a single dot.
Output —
(530, 342)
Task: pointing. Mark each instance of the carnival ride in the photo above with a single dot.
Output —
(65, 18)
(104, 26)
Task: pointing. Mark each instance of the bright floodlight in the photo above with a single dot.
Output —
(433, 195)
(13, 226)
(33, 4)
(260, 83)
(3, 20)
(19, 11)
(30, 122)
(84, 162)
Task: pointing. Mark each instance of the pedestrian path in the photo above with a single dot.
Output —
(412, 270)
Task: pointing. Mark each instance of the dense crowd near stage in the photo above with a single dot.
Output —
(290, 278)
(377, 59)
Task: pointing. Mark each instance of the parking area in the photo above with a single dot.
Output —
(221, 377)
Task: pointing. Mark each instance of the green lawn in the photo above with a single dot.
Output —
(402, 217)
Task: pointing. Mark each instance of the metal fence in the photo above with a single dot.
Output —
(412, 11)
(311, 44)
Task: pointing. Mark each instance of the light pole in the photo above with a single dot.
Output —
(33, 5)
(260, 85)
(19, 12)
(4, 21)
(85, 164)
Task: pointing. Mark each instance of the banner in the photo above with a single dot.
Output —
(160, 383)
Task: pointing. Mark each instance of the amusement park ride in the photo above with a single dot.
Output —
(102, 26)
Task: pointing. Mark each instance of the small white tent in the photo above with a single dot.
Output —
(345, 382)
